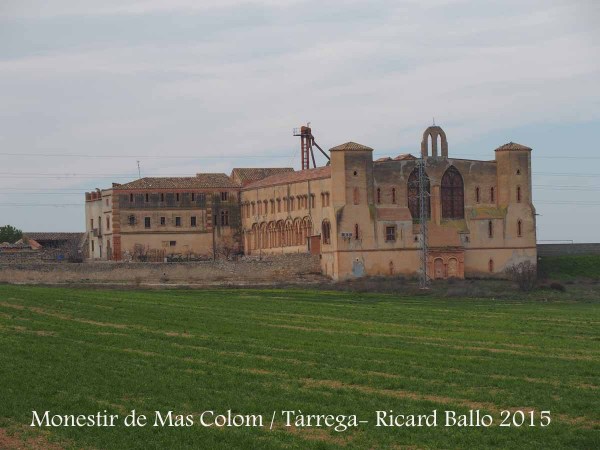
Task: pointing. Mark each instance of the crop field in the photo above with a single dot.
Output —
(255, 352)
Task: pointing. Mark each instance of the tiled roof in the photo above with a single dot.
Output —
(200, 181)
(248, 175)
(52, 236)
(292, 177)
(404, 156)
(350, 146)
(512, 146)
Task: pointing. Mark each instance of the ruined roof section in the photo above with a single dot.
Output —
(200, 181)
(512, 146)
(52, 236)
(292, 177)
(350, 146)
(245, 176)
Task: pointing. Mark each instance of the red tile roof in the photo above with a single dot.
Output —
(512, 146)
(350, 146)
(248, 175)
(200, 181)
(291, 177)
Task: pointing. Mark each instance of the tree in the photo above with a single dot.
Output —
(10, 234)
(524, 274)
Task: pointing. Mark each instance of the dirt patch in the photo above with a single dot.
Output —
(18, 441)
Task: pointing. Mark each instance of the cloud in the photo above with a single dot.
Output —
(232, 78)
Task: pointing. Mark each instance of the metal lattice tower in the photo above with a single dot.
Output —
(423, 217)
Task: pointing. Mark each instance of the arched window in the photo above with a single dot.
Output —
(378, 195)
(477, 197)
(394, 196)
(326, 232)
(490, 229)
(414, 204)
(452, 195)
(492, 195)
(519, 228)
(356, 230)
(491, 265)
(518, 194)
(356, 196)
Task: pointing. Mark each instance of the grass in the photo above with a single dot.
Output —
(570, 267)
(75, 351)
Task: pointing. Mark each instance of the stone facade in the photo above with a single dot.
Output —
(359, 215)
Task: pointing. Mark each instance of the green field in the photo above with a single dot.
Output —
(570, 267)
(76, 351)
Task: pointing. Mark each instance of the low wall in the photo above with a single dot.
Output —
(271, 269)
(568, 249)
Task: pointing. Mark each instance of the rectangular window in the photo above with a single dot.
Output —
(163, 221)
(172, 243)
(390, 234)
(223, 196)
(92, 246)
(147, 222)
(177, 197)
(107, 223)
(225, 218)
(162, 197)
(130, 198)
(92, 224)
(177, 221)
(147, 198)
(193, 197)
(193, 221)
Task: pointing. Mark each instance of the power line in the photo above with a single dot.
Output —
(82, 155)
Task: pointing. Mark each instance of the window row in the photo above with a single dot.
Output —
(177, 196)
(490, 227)
(379, 193)
(222, 219)
(285, 204)
(492, 196)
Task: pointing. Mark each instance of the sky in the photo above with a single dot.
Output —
(89, 88)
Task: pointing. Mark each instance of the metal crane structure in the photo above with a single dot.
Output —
(307, 141)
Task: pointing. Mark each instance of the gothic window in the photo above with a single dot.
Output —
(490, 229)
(519, 228)
(477, 197)
(356, 231)
(452, 195)
(394, 196)
(491, 265)
(378, 195)
(414, 204)
(492, 195)
(326, 232)
(518, 194)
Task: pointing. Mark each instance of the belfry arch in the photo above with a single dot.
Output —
(434, 132)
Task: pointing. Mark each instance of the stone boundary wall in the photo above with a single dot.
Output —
(568, 249)
(271, 269)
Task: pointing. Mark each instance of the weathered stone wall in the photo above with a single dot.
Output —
(270, 269)
(568, 249)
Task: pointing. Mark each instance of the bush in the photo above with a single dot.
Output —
(558, 287)
(524, 274)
